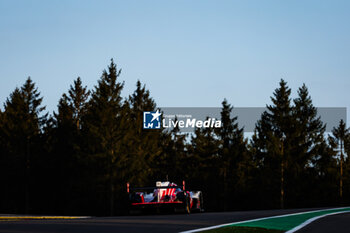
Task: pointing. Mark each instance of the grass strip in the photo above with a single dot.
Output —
(288, 222)
(274, 224)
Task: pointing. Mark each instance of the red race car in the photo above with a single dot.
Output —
(165, 195)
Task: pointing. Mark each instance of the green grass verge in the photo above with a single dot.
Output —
(288, 222)
(234, 229)
(274, 225)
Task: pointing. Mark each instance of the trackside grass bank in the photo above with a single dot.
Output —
(276, 224)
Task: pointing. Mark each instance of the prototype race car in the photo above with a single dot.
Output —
(165, 195)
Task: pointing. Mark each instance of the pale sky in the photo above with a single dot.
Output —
(188, 53)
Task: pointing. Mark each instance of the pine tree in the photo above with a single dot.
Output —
(306, 139)
(308, 130)
(78, 96)
(339, 138)
(142, 156)
(22, 130)
(322, 178)
(232, 155)
(71, 111)
(103, 122)
(69, 170)
(64, 116)
(271, 140)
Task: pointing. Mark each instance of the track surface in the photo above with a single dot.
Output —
(149, 223)
(339, 223)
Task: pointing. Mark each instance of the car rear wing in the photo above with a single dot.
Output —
(128, 188)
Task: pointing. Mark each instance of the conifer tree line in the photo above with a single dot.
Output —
(78, 160)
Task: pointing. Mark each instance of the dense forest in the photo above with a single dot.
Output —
(78, 160)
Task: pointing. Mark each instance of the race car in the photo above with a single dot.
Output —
(165, 195)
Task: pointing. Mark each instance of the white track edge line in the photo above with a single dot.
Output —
(307, 222)
(258, 219)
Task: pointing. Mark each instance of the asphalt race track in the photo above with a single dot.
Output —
(339, 223)
(163, 223)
